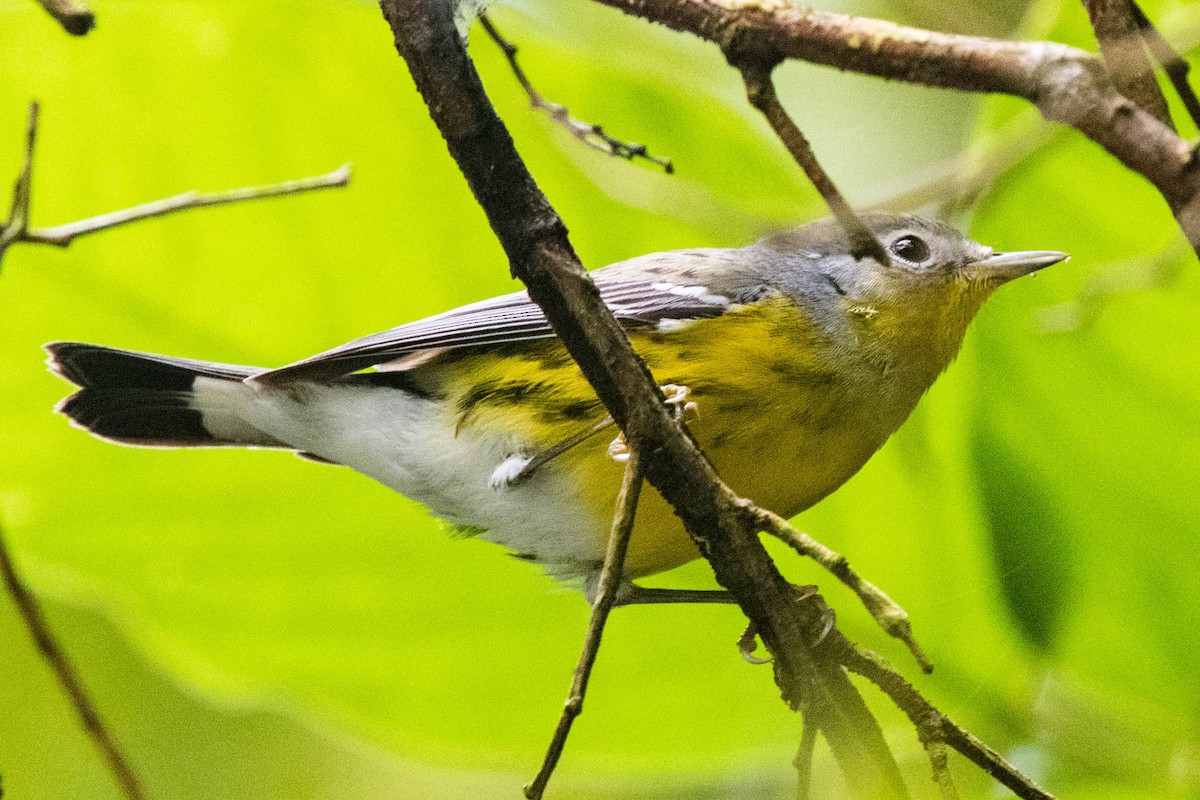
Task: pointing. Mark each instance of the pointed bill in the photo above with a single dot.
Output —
(1003, 267)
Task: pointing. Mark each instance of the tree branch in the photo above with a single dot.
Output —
(1125, 56)
(1177, 68)
(887, 612)
(760, 90)
(606, 597)
(74, 16)
(591, 134)
(540, 254)
(63, 235)
(931, 724)
(1067, 85)
(68, 678)
(16, 228)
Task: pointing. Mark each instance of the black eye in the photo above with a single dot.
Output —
(911, 249)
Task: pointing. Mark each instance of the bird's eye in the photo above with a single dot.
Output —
(911, 249)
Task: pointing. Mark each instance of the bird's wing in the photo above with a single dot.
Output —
(643, 293)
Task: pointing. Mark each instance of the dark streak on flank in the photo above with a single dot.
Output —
(496, 392)
(792, 374)
(577, 411)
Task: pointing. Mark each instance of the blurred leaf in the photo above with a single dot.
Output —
(1084, 443)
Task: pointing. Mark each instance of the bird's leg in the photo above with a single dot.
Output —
(747, 643)
(630, 594)
(519, 467)
(677, 398)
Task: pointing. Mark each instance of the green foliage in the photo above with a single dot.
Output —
(256, 625)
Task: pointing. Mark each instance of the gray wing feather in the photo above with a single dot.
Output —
(641, 292)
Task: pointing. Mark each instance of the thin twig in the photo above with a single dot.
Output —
(939, 764)
(760, 89)
(930, 723)
(590, 134)
(16, 227)
(606, 595)
(63, 235)
(804, 759)
(1173, 64)
(1125, 56)
(74, 17)
(68, 678)
(886, 611)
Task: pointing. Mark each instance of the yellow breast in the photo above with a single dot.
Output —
(778, 413)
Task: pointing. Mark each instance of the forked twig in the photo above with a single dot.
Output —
(16, 228)
(68, 678)
(933, 726)
(886, 611)
(606, 596)
(592, 135)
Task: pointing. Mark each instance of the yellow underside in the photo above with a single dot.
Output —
(771, 414)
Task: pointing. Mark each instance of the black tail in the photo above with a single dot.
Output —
(151, 400)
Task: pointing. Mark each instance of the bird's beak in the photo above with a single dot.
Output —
(1003, 267)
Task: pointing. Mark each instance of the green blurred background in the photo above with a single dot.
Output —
(253, 625)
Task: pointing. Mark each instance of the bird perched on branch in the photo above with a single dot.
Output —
(798, 360)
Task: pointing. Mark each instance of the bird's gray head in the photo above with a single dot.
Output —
(935, 280)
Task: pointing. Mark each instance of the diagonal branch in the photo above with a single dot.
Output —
(760, 89)
(68, 678)
(63, 235)
(933, 726)
(1125, 56)
(1176, 67)
(606, 597)
(887, 612)
(539, 252)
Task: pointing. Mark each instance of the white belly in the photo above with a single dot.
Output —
(410, 444)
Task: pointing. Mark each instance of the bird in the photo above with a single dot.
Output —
(792, 360)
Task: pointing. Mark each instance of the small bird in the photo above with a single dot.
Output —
(794, 361)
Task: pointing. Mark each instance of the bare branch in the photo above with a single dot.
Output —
(804, 758)
(16, 228)
(886, 611)
(760, 90)
(1124, 54)
(18, 215)
(589, 133)
(930, 723)
(539, 252)
(74, 16)
(1067, 85)
(606, 596)
(63, 235)
(68, 677)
